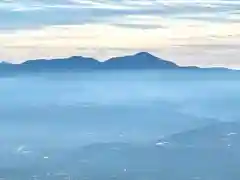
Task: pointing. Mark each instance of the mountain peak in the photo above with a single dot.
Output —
(141, 60)
(145, 54)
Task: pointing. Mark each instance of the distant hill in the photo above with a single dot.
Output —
(142, 60)
(75, 62)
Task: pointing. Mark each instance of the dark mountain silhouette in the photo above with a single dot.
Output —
(142, 60)
(75, 62)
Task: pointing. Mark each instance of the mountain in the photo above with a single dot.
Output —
(142, 60)
(71, 63)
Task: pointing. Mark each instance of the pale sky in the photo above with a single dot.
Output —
(188, 32)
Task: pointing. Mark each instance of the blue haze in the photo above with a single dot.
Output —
(58, 112)
(114, 102)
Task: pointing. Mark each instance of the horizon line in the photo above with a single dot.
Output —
(131, 54)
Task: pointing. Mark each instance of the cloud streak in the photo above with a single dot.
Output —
(86, 11)
(174, 29)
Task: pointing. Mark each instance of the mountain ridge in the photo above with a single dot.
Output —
(141, 60)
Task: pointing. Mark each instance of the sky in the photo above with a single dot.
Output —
(188, 32)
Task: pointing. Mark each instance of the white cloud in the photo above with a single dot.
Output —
(180, 40)
(175, 29)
